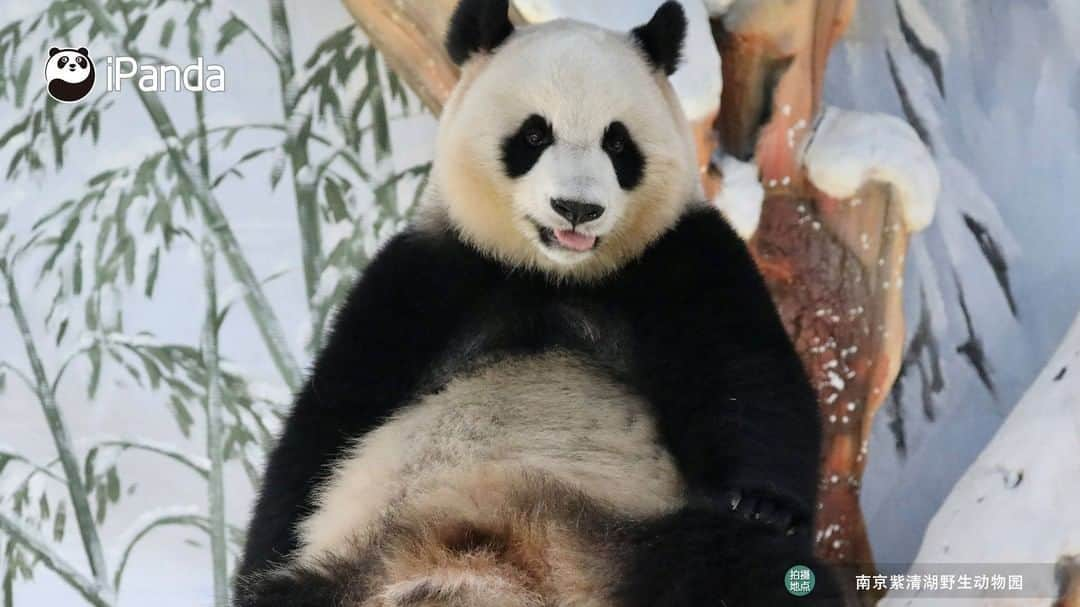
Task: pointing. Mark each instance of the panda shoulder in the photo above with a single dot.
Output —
(423, 250)
(701, 229)
(416, 267)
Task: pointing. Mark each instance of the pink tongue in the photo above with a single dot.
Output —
(575, 241)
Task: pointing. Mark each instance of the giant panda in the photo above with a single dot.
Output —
(565, 384)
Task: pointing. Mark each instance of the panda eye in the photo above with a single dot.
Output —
(536, 138)
(615, 145)
(81, 62)
(616, 139)
(62, 62)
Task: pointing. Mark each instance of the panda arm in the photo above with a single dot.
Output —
(698, 556)
(399, 317)
(710, 354)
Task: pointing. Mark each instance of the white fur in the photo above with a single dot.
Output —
(699, 80)
(580, 78)
(465, 447)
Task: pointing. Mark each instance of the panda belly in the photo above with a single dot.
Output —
(491, 437)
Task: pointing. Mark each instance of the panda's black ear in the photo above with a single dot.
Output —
(83, 51)
(662, 37)
(53, 51)
(477, 26)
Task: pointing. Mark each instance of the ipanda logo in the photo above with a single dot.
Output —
(70, 75)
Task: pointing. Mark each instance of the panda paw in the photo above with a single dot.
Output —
(781, 513)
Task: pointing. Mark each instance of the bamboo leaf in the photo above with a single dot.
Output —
(335, 201)
(181, 415)
(135, 29)
(13, 166)
(61, 331)
(152, 273)
(22, 77)
(277, 170)
(14, 130)
(95, 371)
(167, 33)
(88, 468)
(129, 260)
(77, 272)
(112, 484)
(232, 28)
(59, 522)
(102, 503)
(152, 370)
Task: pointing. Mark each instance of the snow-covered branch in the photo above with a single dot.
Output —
(32, 541)
(147, 522)
(850, 149)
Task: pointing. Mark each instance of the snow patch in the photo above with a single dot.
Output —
(1016, 503)
(850, 149)
(698, 80)
(717, 7)
(741, 196)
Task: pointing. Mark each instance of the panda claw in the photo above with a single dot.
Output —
(762, 508)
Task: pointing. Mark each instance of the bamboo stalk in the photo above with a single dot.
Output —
(307, 204)
(58, 429)
(265, 319)
(215, 433)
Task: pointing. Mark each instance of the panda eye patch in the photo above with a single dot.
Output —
(62, 62)
(81, 62)
(523, 148)
(626, 158)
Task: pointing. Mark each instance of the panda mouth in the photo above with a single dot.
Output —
(569, 240)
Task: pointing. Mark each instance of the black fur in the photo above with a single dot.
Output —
(396, 323)
(663, 36)
(477, 26)
(698, 556)
(523, 148)
(711, 355)
(625, 155)
(689, 325)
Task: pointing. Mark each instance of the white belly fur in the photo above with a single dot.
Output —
(550, 415)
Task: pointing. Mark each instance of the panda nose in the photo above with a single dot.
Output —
(576, 211)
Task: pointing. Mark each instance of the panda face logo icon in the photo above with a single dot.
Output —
(69, 74)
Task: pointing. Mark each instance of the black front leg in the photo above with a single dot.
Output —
(400, 317)
(731, 397)
(291, 587)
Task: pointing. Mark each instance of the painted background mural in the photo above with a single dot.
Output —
(169, 261)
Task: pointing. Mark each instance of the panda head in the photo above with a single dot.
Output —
(69, 74)
(563, 147)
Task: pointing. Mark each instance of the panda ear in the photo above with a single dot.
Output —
(662, 37)
(83, 51)
(53, 51)
(477, 26)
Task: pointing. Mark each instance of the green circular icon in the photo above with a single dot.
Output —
(799, 580)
